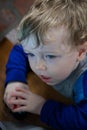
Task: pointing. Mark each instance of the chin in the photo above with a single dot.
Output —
(51, 84)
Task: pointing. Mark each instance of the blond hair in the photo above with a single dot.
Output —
(45, 14)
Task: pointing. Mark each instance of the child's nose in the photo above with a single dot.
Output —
(41, 65)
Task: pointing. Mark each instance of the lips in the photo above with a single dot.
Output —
(44, 78)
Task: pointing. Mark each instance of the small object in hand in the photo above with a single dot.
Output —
(15, 106)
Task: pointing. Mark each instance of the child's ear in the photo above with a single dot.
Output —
(82, 49)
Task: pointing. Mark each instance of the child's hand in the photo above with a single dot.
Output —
(29, 102)
(11, 88)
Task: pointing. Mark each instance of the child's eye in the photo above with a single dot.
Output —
(50, 56)
(31, 54)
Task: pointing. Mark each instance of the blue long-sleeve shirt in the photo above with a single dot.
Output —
(17, 65)
(53, 113)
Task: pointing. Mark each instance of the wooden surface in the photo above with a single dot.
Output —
(35, 84)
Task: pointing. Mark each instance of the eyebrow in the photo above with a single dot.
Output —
(49, 52)
(26, 51)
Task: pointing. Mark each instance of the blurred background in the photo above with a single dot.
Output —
(11, 12)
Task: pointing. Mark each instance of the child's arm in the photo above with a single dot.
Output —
(69, 117)
(53, 113)
(17, 66)
(62, 116)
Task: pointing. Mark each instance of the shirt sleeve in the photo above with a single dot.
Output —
(17, 65)
(61, 116)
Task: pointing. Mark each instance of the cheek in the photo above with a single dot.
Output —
(60, 73)
(31, 63)
(63, 67)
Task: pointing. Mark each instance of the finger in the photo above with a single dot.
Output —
(26, 87)
(17, 106)
(19, 94)
(10, 104)
(6, 98)
(22, 90)
(13, 105)
(18, 102)
(20, 109)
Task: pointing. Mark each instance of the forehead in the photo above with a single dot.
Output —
(54, 39)
(57, 39)
(56, 34)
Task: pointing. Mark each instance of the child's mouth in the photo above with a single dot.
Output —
(44, 78)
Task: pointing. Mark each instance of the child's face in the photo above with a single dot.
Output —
(53, 60)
